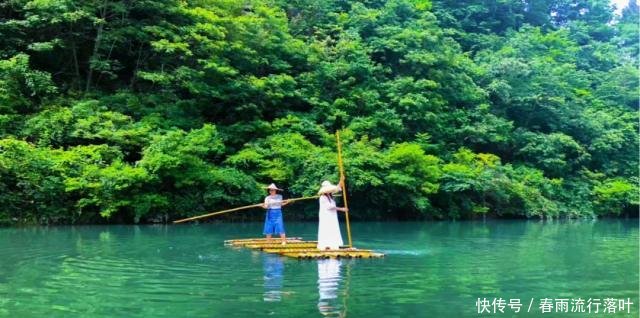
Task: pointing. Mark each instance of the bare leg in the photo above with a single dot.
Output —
(284, 238)
(268, 236)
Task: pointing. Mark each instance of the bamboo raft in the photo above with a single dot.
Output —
(300, 249)
(243, 242)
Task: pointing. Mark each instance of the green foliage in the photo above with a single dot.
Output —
(413, 176)
(32, 187)
(184, 169)
(141, 111)
(557, 154)
(22, 88)
(615, 195)
(106, 186)
(480, 183)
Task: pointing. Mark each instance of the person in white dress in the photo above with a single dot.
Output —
(329, 237)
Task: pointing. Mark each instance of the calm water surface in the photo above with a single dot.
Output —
(431, 269)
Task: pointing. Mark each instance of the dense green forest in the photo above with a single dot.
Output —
(129, 111)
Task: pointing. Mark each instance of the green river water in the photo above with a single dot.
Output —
(431, 269)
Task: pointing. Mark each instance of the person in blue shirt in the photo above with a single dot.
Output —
(273, 223)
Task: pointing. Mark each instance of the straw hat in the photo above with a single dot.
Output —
(328, 187)
(273, 187)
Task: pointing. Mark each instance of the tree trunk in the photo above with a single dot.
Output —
(96, 44)
(78, 81)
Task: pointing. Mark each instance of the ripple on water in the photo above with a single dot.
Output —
(405, 252)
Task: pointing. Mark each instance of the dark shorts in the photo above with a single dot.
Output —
(273, 223)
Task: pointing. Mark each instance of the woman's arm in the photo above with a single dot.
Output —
(331, 205)
(325, 204)
(341, 187)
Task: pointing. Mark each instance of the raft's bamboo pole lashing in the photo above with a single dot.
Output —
(344, 186)
(257, 205)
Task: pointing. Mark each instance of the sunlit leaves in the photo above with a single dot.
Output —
(21, 88)
(127, 111)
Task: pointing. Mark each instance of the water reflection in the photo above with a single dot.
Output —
(329, 289)
(442, 267)
(273, 275)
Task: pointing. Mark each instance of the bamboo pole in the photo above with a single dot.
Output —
(238, 209)
(344, 187)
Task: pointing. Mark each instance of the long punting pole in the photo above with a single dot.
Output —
(344, 190)
(238, 209)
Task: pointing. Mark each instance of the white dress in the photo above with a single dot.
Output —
(328, 226)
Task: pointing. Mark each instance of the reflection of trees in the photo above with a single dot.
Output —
(525, 259)
(273, 275)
